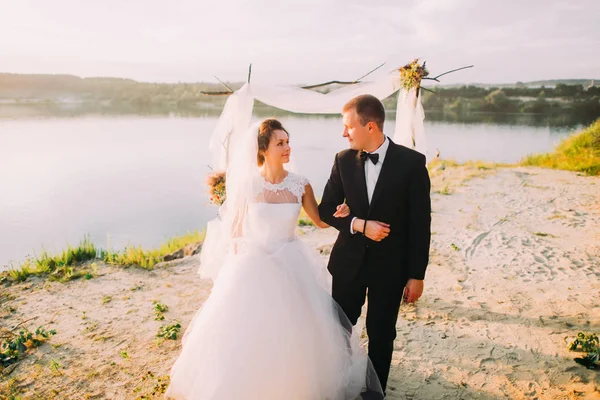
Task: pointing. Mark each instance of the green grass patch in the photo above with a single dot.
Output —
(579, 152)
(61, 267)
(67, 265)
(303, 219)
(147, 259)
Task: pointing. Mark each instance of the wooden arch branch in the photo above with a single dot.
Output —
(435, 78)
(227, 93)
(343, 82)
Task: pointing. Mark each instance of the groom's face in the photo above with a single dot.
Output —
(357, 134)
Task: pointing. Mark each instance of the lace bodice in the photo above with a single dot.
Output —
(289, 190)
(273, 217)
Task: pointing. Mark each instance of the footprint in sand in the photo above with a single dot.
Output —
(488, 362)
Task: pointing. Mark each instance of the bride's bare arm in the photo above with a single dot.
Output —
(309, 203)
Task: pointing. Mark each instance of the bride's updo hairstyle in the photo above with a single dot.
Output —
(265, 131)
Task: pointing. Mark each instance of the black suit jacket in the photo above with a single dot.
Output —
(401, 199)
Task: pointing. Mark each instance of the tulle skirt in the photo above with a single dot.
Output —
(271, 331)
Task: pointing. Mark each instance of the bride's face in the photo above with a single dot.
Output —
(279, 148)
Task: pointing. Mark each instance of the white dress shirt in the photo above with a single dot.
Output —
(372, 172)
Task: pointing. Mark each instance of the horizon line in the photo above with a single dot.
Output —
(243, 82)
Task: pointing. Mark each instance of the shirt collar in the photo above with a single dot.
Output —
(382, 150)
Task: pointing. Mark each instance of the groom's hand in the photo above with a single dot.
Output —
(375, 230)
(413, 290)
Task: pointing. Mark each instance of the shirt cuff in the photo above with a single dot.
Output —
(351, 225)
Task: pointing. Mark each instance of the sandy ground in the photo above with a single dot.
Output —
(514, 272)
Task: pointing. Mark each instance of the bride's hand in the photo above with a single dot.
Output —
(342, 211)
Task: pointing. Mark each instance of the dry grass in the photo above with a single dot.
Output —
(579, 152)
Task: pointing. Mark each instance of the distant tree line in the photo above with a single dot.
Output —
(110, 92)
(129, 96)
(543, 100)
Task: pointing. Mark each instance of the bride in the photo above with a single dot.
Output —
(270, 329)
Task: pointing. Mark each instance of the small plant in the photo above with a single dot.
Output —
(169, 331)
(90, 328)
(590, 344)
(14, 346)
(148, 375)
(446, 191)
(161, 386)
(160, 307)
(124, 354)
(106, 299)
(162, 383)
(455, 247)
(54, 366)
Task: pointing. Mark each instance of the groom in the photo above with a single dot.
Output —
(383, 247)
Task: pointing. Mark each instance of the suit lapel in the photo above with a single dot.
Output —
(387, 171)
(361, 184)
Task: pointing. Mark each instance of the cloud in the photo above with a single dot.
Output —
(298, 42)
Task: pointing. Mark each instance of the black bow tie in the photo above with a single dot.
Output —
(371, 156)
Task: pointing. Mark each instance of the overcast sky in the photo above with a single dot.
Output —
(301, 41)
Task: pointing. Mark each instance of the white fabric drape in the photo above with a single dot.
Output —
(237, 113)
(410, 131)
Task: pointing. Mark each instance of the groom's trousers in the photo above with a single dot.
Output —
(384, 297)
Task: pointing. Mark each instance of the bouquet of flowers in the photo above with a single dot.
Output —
(216, 187)
(411, 74)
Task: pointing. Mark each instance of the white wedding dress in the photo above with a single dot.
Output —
(270, 329)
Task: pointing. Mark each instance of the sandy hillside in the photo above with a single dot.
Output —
(515, 269)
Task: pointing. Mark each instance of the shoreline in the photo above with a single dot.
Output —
(514, 270)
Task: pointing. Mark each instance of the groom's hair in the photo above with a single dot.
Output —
(368, 108)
